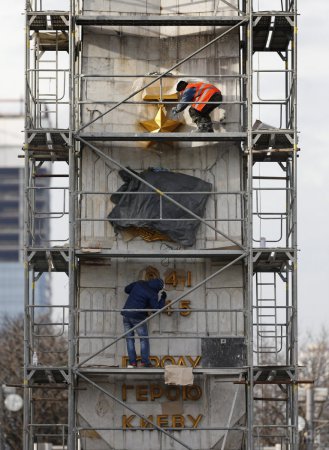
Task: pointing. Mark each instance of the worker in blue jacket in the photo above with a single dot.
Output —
(142, 295)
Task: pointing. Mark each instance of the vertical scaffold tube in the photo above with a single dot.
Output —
(26, 408)
(250, 387)
(294, 414)
(72, 263)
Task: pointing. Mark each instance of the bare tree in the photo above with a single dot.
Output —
(49, 405)
(270, 404)
(314, 359)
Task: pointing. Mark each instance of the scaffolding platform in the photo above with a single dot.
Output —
(47, 375)
(47, 154)
(38, 375)
(272, 33)
(222, 255)
(229, 373)
(158, 20)
(272, 259)
(272, 155)
(48, 20)
(56, 260)
(49, 260)
(271, 375)
(265, 137)
(274, 374)
(48, 145)
(165, 137)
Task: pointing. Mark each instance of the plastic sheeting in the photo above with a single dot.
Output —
(149, 209)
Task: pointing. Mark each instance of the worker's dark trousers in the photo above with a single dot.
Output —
(202, 118)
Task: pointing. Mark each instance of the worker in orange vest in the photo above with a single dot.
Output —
(207, 96)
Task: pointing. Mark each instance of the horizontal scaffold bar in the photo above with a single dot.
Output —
(39, 373)
(224, 372)
(165, 137)
(48, 12)
(156, 20)
(225, 255)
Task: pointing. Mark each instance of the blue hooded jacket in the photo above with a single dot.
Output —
(143, 295)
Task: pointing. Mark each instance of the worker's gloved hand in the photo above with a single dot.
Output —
(174, 112)
(163, 295)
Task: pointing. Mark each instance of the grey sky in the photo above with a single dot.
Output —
(313, 204)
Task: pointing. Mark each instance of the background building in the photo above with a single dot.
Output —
(12, 212)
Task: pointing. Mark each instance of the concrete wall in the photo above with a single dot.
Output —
(166, 7)
(211, 410)
(105, 54)
(217, 164)
(102, 288)
(101, 285)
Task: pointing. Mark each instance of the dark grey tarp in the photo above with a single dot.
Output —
(143, 208)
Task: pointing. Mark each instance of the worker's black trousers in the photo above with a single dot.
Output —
(202, 118)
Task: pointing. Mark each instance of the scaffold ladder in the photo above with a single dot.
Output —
(268, 338)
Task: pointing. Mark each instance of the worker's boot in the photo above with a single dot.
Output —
(202, 128)
(147, 365)
(205, 125)
(196, 120)
(208, 124)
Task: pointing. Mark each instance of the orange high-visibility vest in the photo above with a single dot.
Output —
(203, 93)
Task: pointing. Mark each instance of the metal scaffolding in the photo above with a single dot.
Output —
(265, 210)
